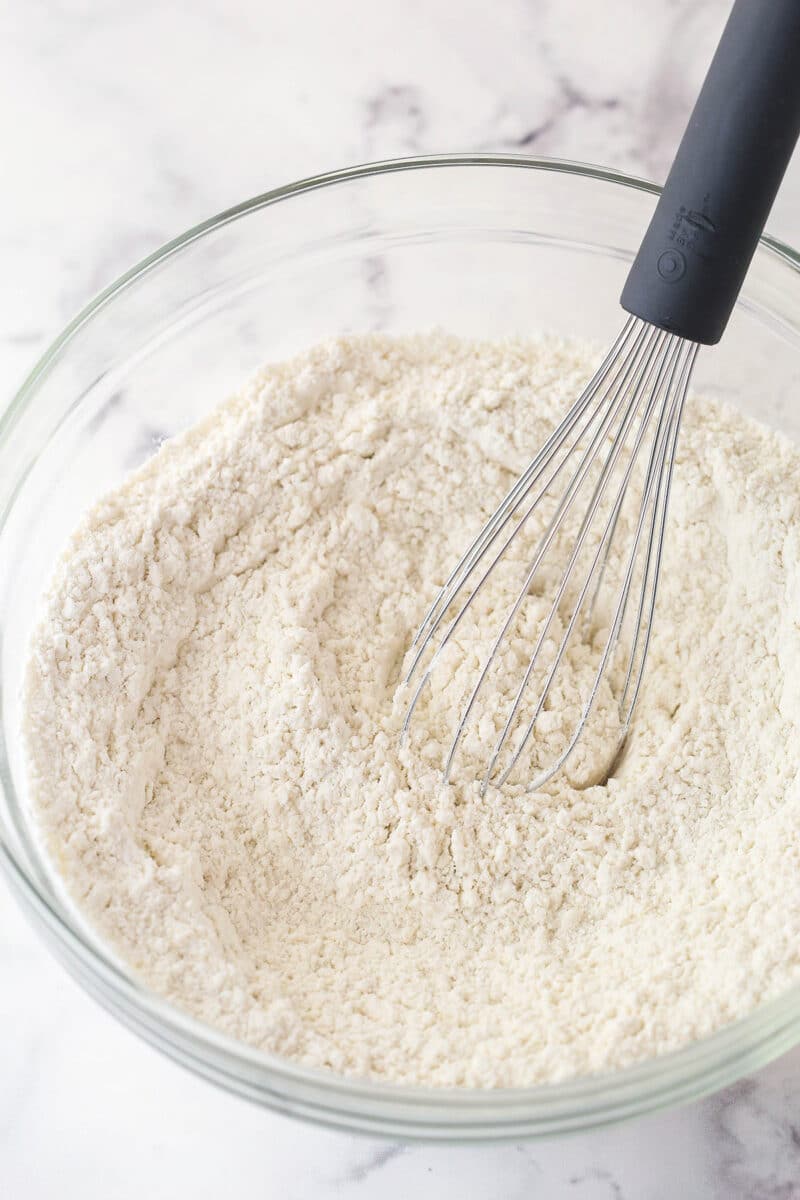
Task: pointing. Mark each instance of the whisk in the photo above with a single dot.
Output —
(599, 487)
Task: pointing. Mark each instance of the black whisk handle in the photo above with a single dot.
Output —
(692, 262)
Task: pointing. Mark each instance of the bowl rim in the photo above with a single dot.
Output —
(326, 1097)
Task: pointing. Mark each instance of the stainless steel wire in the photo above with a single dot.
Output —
(623, 427)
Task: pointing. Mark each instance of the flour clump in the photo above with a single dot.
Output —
(212, 721)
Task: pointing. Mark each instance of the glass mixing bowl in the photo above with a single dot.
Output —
(480, 244)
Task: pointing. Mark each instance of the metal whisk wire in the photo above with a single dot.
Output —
(646, 372)
(657, 484)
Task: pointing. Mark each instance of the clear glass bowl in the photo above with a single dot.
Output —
(478, 245)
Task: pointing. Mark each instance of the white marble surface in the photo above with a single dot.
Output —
(122, 123)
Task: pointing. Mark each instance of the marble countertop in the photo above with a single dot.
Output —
(122, 124)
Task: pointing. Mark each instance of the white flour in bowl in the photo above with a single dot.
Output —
(212, 732)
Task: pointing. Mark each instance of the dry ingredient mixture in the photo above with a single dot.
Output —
(212, 731)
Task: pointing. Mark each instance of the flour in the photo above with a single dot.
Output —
(212, 731)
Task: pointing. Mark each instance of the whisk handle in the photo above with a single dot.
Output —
(692, 262)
